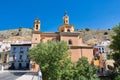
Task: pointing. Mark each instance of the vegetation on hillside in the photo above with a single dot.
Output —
(89, 36)
(24, 32)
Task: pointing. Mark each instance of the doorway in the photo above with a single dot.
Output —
(20, 65)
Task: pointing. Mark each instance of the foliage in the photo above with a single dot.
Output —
(20, 28)
(105, 33)
(84, 71)
(96, 57)
(87, 29)
(116, 40)
(116, 48)
(109, 29)
(117, 77)
(55, 64)
(109, 56)
(52, 58)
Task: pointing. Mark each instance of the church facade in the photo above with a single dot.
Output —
(65, 33)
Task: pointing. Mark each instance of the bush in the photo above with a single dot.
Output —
(109, 56)
(105, 33)
(87, 29)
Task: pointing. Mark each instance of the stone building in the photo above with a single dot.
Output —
(65, 33)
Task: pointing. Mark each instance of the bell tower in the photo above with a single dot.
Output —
(66, 18)
(37, 25)
(36, 32)
(66, 27)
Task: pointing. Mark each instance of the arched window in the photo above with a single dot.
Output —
(70, 42)
(66, 21)
(68, 30)
(36, 26)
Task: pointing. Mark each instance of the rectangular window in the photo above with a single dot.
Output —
(14, 48)
(20, 57)
(13, 57)
(21, 48)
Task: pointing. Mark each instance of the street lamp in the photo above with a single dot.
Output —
(39, 75)
(2, 61)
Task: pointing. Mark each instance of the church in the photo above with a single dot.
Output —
(65, 33)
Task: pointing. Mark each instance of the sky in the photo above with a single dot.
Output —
(93, 14)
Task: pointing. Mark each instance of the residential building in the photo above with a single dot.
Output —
(18, 56)
(102, 47)
(4, 51)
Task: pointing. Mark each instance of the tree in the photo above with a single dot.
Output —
(109, 29)
(84, 71)
(115, 46)
(87, 29)
(55, 64)
(52, 58)
(105, 33)
(20, 28)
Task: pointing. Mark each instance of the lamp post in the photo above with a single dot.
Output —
(2, 61)
(39, 75)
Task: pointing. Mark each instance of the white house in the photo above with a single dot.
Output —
(4, 51)
(4, 46)
(103, 47)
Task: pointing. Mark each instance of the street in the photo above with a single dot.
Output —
(11, 75)
(18, 75)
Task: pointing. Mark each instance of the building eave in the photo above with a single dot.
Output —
(36, 32)
(49, 34)
(69, 34)
(76, 47)
(20, 44)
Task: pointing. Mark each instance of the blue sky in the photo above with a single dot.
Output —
(93, 14)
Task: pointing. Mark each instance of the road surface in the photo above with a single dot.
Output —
(11, 75)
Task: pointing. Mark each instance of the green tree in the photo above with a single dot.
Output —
(52, 58)
(84, 71)
(87, 29)
(55, 64)
(115, 45)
